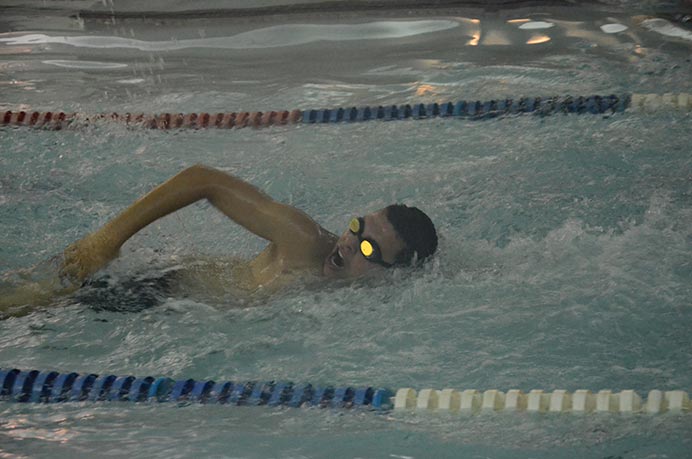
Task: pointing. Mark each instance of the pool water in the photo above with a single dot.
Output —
(565, 250)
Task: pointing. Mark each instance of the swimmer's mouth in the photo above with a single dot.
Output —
(336, 259)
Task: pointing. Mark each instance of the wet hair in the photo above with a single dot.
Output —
(417, 231)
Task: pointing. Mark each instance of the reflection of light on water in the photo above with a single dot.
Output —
(15, 50)
(473, 29)
(131, 81)
(425, 89)
(517, 21)
(537, 39)
(666, 28)
(639, 50)
(613, 28)
(27, 85)
(17, 107)
(268, 37)
(20, 428)
(490, 37)
(575, 29)
(89, 65)
(495, 38)
(57, 435)
(536, 25)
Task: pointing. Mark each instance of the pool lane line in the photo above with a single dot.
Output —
(53, 387)
(538, 401)
(56, 120)
(473, 110)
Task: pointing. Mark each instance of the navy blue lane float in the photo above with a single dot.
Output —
(53, 387)
(473, 109)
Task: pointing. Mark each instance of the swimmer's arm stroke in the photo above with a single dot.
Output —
(293, 233)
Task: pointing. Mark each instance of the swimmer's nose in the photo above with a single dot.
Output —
(349, 247)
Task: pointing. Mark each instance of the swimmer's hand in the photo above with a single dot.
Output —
(22, 291)
(86, 256)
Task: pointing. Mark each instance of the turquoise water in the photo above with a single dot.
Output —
(564, 260)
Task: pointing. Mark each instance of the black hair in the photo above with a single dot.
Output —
(417, 231)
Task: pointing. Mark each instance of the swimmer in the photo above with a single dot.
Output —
(298, 246)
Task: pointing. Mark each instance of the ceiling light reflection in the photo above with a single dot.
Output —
(538, 39)
(425, 90)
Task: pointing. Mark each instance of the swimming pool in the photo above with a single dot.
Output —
(565, 251)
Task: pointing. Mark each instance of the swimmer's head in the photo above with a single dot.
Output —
(397, 235)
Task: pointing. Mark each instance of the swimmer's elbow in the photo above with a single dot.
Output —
(200, 168)
(203, 176)
(202, 181)
(198, 173)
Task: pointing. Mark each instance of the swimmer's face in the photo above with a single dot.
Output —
(347, 261)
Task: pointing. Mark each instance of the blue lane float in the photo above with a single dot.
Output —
(53, 387)
(594, 104)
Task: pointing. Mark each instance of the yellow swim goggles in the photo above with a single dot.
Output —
(368, 248)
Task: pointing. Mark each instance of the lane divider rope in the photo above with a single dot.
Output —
(53, 387)
(538, 401)
(56, 120)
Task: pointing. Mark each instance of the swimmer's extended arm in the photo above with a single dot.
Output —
(291, 230)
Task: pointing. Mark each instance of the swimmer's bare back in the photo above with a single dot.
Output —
(296, 242)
